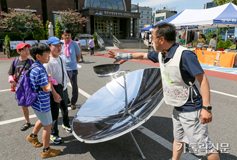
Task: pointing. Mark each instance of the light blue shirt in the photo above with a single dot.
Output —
(71, 61)
(39, 78)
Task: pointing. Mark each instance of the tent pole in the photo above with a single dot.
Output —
(186, 37)
(216, 34)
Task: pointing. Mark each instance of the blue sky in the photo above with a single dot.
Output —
(179, 4)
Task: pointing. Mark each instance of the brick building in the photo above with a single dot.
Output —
(106, 17)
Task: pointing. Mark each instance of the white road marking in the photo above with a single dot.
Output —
(20, 119)
(81, 91)
(142, 129)
(5, 90)
(88, 96)
(212, 69)
(16, 120)
(225, 94)
(164, 142)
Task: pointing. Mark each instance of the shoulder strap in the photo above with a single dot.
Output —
(15, 62)
(62, 71)
(14, 66)
(31, 69)
(22, 69)
(29, 74)
(31, 62)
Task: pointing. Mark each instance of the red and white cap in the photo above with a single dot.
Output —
(22, 45)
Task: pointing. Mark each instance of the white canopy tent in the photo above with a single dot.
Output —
(221, 16)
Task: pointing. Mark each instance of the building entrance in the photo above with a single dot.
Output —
(106, 27)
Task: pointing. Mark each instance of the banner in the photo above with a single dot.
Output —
(13, 44)
(83, 42)
(221, 59)
(88, 41)
(31, 42)
(43, 41)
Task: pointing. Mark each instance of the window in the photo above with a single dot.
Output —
(141, 21)
(106, 4)
(141, 11)
(148, 17)
(141, 16)
(159, 18)
(148, 12)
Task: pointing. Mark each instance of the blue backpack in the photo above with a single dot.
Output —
(24, 94)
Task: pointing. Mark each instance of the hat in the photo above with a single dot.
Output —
(53, 40)
(22, 45)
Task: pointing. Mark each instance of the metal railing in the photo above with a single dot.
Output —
(116, 42)
(99, 39)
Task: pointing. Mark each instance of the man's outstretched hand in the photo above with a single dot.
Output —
(112, 55)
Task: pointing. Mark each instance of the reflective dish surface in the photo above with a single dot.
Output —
(103, 116)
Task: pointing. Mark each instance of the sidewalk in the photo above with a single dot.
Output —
(2, 55)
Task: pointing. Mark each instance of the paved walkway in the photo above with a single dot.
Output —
(2, 55)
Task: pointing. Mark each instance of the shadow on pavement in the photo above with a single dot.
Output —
(124, 147)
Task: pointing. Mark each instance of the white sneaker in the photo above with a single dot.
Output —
(68, 129)
(55, 139)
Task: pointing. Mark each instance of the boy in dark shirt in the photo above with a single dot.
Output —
(17, 68)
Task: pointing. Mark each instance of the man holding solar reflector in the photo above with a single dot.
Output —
(185, 86)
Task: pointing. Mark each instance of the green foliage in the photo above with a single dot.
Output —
(233, 46)
(228, 43)
(47, 30)
(58, 30)
(7, 41)
(73, 21)
(221, 2)
(39, 34)
(7, 44)
(23, 22)
(211, 33)
(15, 36)
(221, 44)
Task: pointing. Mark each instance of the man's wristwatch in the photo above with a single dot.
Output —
(209, 108)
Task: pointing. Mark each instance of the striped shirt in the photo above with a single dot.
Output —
(39, 78)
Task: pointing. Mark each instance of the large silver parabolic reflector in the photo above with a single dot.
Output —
(103, 116)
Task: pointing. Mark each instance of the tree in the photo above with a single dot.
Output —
(73, 21)
(47, 30)
(221, 2)
(228, 43)
(23, 22)
(39, 34)
(221, 44)
(58, 30)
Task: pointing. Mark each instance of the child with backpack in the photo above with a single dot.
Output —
(17, 68)
(59, 96)
(40, 82)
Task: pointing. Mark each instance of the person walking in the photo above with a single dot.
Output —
(79, 44)
(91, 45)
